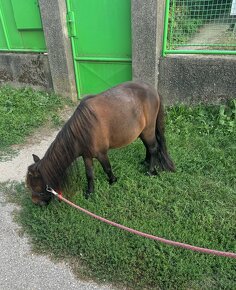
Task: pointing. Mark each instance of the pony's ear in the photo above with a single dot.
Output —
(36, 158)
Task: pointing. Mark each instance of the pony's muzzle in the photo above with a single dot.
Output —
(41, 198)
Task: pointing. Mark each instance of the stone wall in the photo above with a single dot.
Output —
(21, 69)
(195, 78)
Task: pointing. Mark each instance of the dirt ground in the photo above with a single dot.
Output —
(211, 36)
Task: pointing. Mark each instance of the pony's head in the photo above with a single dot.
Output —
(36, 184)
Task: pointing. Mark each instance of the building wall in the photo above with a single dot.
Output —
(25, 69)
(195, 78)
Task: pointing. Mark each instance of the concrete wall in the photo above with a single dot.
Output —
(147, 30)
(20, 69)
(53, 14)
(197, 78)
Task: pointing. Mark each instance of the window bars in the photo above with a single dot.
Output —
(200, 26)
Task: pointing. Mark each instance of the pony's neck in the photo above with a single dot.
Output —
(56, 160)
(73, 140)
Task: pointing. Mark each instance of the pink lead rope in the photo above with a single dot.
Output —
(162, 240)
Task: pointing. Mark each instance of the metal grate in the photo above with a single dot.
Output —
(200, 26)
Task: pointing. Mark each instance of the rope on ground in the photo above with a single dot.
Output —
(139, 233)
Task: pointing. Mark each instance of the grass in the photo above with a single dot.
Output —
(195, 205)
(22, 111)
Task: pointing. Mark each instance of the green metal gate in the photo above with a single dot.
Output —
(20, 26)
(100, 32)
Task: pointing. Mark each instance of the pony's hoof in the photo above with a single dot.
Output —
(112, 180)
(87, 195)
(152, 173)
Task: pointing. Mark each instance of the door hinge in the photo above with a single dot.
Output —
(70, 20)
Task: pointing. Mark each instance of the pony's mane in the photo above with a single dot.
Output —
(73, 138)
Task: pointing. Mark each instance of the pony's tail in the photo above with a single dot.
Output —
(164, 159)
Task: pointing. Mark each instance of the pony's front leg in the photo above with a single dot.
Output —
(88, 162)
(106, 165)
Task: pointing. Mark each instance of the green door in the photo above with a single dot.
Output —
(21, 26)
(100, 32)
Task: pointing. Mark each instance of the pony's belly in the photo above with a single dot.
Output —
(122, 140)
(125, 131)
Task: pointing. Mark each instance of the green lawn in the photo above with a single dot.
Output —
(195, 205)
(24, 110)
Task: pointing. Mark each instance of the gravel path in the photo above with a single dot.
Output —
(20, 268)
(208, 34)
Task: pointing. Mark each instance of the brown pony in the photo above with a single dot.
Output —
(111, 119)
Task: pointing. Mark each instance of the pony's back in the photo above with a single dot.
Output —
(122, 113)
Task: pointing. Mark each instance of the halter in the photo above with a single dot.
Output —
(50, 190)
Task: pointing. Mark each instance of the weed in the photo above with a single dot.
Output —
(227, 116)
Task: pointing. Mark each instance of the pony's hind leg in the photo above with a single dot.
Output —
(165, 161)
(146, 161)
(150, 142)
(106, 165)
(88, 162)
